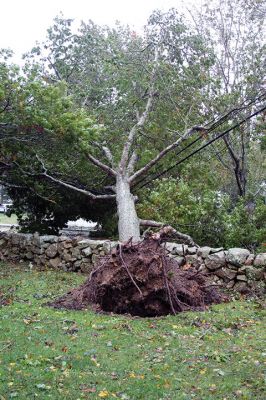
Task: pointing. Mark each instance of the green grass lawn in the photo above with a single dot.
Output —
(54, 354)
(4, 219)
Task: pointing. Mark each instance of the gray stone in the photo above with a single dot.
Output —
(170, 247)
(203, 269)
(226, 273)
(193, 260)
(216, 249)
(55, 262)
(242, 278)
(233, 267)
(94, 258)
(48, 239)
(29, 255)
(75, 251)
(86, 267)
(253, 273)
(108, 246)
(230, 285)
(204, 251)
(51, 251)
(260, 260)
(192, 250)
(215, 261)
(63, 238)
(87, 251)
(250, 259)
(237, 256)
(37, 250)
(180, 260)
(67, 245)
(180, 249)
(95, 244)
(2, 242)
(66, 256)
(240, 286)
(16, 238)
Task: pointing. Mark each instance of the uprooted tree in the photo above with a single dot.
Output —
(137, 92)
(136, 103)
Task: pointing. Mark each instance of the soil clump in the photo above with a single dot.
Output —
(141, 280)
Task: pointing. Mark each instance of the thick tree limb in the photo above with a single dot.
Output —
(132, 163)
(108, 155)
(142, 119)
(167, 231)
(151, 223)
(163, 153)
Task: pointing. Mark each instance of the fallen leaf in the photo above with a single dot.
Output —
(103, 393)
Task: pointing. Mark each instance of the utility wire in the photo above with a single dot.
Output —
(214, 125)
(203, 147)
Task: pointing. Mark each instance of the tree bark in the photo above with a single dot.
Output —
(128, 222)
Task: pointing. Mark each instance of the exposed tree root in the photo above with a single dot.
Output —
(141, 279)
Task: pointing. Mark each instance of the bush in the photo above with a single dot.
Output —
(246, 225)
(197, 213)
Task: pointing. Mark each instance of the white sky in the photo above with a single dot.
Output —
(23, 22)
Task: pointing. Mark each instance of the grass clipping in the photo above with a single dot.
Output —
(141, 279)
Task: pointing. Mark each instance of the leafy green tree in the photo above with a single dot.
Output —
(115, 106)
(199, 212)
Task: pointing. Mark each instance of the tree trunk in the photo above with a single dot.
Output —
(128, 222)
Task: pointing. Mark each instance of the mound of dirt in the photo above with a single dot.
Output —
(142, 280)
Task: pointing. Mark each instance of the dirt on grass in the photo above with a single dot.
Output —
(142, 280)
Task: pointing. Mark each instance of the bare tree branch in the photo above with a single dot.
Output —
(165, 151)
(237, 169)
(101, 165)
(108, 155)
(62, 183)
(132, 163)
(142, 119)
(72, 187)
(105, 150)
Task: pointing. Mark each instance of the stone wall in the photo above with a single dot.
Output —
(233, 268)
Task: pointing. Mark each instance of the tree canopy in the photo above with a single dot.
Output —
(100, 101)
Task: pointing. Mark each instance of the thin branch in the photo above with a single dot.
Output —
(105, 150)
(83, 191)
(64, 184)
(127, 269)
(162, 264)
(99, 164)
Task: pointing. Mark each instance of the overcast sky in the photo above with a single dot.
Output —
(23, 22)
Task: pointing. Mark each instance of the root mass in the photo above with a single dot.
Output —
(143, 280)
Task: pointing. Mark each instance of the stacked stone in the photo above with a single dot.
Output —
(56, 252)
(234, 268)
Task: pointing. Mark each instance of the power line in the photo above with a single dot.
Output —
(203, 147)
